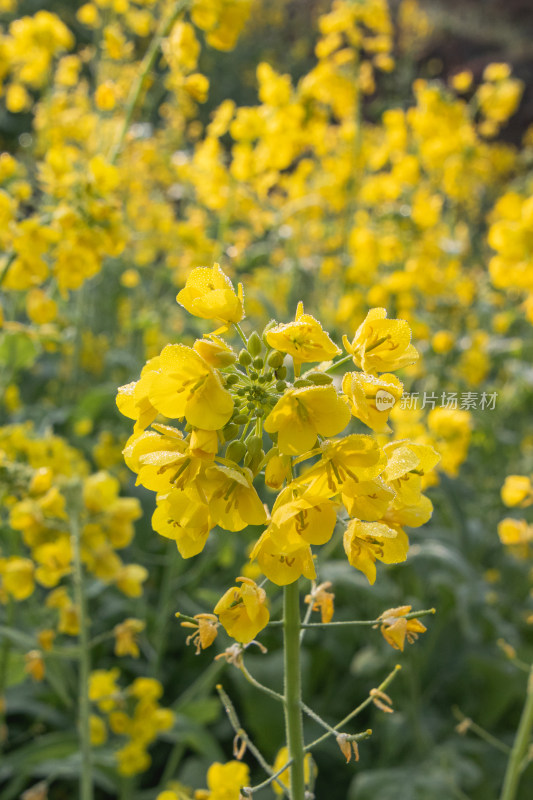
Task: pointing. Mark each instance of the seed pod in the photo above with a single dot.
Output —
(235, 451)
(245, 359)
(254, 444)
(254, 345)
(275, 359)
(319, 378)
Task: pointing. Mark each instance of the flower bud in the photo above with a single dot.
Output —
(281, 373)
(266, 329)
(230, 431)
(281, 386)
(254, 461)
(240, 419)
(258, 363)
(254, 444)
(319, 378)
(301, 382)
(245, 359)
(276, 470)
(215, 351)
(275, 359)
(235, 451)
(254, 345)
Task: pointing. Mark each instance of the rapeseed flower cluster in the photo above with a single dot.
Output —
(352, 208)
(210, 422)
(224, 782)
(132, 712)
(37, 477)
(384, 214)
(517, 534)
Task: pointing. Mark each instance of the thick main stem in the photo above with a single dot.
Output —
(293, 692)
(515, 765)
(86, 784)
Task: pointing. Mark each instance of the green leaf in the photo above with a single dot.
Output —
(18, 350)
(47, 747)
(203, 711)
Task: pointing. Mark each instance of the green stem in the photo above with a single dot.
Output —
(240, 332)
(293, 691)
(516, 762)
(241, 734)
(144, 69)
(164, 605)
(4, 661)
(381, 688)
(331, 731)
(86, 784)
(470, 725)
(262, 688)
(5, 269)
(338, 363)
(412, 615)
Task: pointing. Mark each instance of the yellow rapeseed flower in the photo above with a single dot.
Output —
(302, 414)
(364, 542)
(517, 491)
(209, 294)
(233, 499)
(242, 611)
(225, 780)
(357, 457)
(396, 629)
(372, 398)
(283, 562)
(304, 340)
(180, 517)
(381, 344)
(186, 386)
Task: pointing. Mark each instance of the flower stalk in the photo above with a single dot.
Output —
(145, 68)
(518, 758)
(86, 783)
(293, 692)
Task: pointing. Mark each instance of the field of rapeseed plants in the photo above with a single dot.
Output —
(266, 462)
